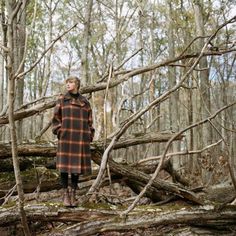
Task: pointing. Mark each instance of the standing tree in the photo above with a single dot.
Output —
(14, 65)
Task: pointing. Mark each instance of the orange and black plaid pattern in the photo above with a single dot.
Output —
(72, 123)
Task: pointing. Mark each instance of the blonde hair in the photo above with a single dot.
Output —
(74, 79)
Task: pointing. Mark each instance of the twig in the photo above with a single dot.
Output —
(44, 130)
(9, 194)
(105, 116)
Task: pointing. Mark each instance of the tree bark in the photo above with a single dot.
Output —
(86, 36)
(20, 47)
(11, 68)
(137, 176)
(143, 220)
(50, 150)
(172, 75)
(203, 104)
(88, 221)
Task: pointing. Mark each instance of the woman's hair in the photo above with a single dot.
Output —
(74, 79)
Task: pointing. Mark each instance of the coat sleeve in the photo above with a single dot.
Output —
(57, 119)
(90, 123)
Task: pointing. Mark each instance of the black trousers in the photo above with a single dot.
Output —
(65, 180)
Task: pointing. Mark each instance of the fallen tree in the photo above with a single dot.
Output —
(45, 103)
(49, 150)
(44, 179)
(144, 219)
(89, 221)
(140, 178)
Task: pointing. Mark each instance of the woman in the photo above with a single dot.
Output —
(72, 123)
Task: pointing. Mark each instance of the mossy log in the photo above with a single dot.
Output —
(88, 220)
(46, 180)
(136, 178)
(167, 166)
(155, 217)
(7, 164)
(27, 163)
(35, 180)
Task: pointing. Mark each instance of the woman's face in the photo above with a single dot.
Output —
(71, 86)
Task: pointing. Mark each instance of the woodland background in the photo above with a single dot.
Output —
(147, 67)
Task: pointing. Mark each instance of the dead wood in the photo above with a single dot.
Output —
(19, 115)
(38, 180)
(145, 219)
(49, 150)
(50, 163)
(30, 185)
(50, 196)
(43, 150)
(90, 221)
(137, 176)
(40, 175)
(167, 166)
(135, 179)
(7, 164)
(220, 193)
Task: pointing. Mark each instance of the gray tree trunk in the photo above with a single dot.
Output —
(3, 82)
(19, 41)
(85, 49)
(204, 133)
(174, 97)
(13, 10)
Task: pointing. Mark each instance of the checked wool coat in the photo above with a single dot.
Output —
(72, 123)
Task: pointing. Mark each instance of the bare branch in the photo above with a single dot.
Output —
(5, 49)
(20, 75)
(14, 13)
(154, 176)
(118, 67)
(155, 158)
(131, 207)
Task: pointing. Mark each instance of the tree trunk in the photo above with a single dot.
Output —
(142, 220)
(19, 41)
(12, 12)
(86, 35)
(3, 81)
(174, 98)
(43, 82)
(205, 132)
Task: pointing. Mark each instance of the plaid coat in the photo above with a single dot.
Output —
(72, 123)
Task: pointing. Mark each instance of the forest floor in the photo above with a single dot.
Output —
(114, 198)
